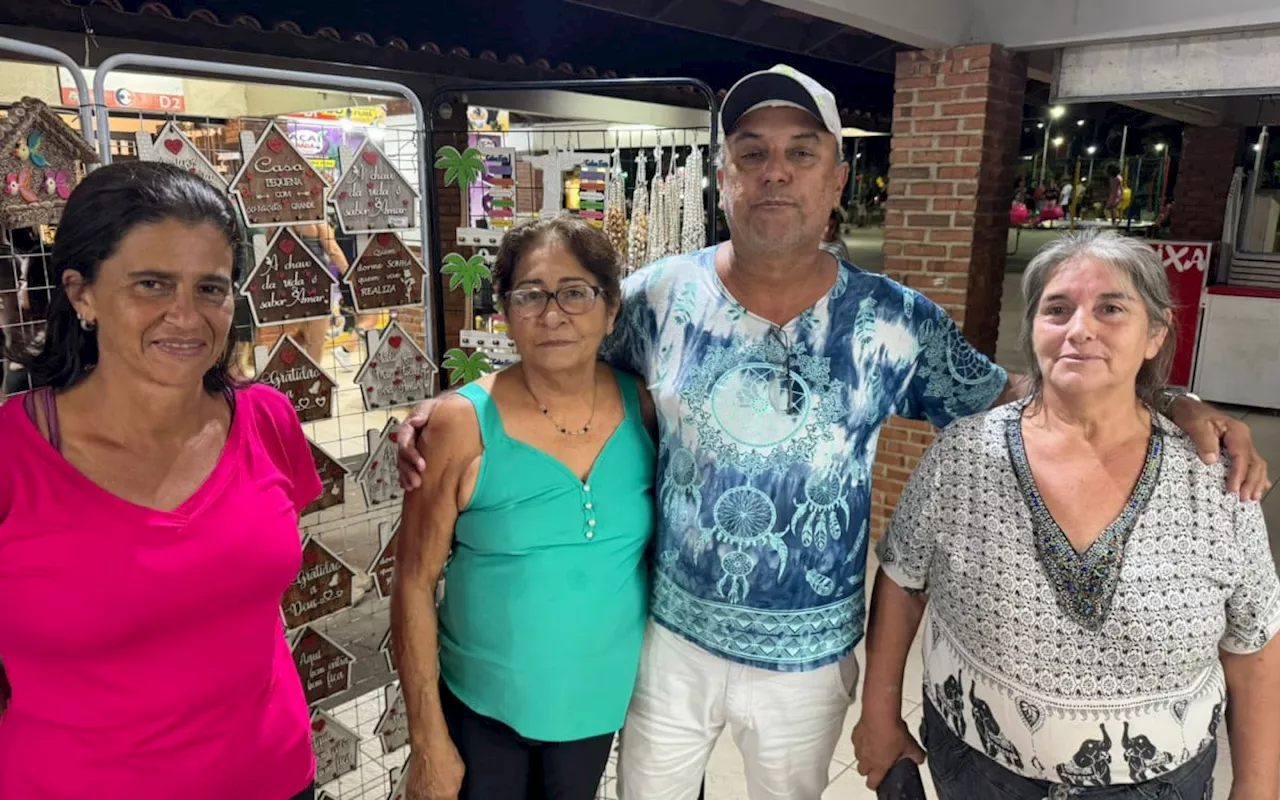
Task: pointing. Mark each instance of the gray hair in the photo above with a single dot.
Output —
(1138, 263)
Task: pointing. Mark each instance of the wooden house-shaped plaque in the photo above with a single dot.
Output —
(277, 185)
(171, 146)
(323, 664)
(379, 478)
(336, 746)
(41, 161)
(387, 651)
(289, 284)
(386, 275)
(323, 586)
(333, 479)
(397, 371)
(290, 370)
(393, 725)
(372, 195)
(383, 568)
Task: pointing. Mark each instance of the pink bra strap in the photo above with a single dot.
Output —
(46, 398)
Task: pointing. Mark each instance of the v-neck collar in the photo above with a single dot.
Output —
(1084, 583)
(210, 487)
(836, 289)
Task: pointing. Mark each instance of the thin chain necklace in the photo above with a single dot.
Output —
(584, 430)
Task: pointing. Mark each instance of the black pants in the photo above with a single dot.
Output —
(501, 763)
(308, 793)
(961, 772)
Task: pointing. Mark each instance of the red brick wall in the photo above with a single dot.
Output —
(956, 128)
(449, 205)
(1204, 180)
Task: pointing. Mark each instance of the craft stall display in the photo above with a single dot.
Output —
(290, 370)
(323, 586)
(323, 664)
(42, 159)
(372, 196)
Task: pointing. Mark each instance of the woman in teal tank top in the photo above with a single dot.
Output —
(537, 506)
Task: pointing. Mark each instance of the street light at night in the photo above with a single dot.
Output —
(1057, 141)
(1159, 147)
(1057, 111)
(1091, 149)
(1079, 123)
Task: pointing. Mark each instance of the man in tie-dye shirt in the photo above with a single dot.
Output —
(772, 366)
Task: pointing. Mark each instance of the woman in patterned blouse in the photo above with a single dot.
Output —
(1094, 593)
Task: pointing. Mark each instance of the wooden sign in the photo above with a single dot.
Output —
(399, 782)
(290, 370)
(393, 726)
(171, 146)
(397, 371)
(323, 665)
(499, 199)
(379, 478)
(386, 275)
(333, 477)
(323, 586)
(277, 186)
(387, 651)
(372, 195)
(336, 746)
(383, 568)
(289, 284)
(41, 161)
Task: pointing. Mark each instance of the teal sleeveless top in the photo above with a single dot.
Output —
(546, 593)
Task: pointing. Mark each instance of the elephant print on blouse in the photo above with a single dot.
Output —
(949, 698)
(1145, 761)
(1091, 765)
(994, 742)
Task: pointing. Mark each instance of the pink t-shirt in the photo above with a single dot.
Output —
(145, 649)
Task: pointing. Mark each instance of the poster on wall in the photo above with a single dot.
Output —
(397, 371)
(171, 146)
(322, 588)
(333, 480)
(386, 275)
(336, 746)
(378, 477)
(277, 186)
(323, 665)
(393, 726)
(372, 195)
(291, 371)
(322, 145)
(289, 284)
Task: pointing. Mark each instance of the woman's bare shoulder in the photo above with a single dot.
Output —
(453, 430)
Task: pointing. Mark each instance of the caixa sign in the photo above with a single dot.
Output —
(131, 91)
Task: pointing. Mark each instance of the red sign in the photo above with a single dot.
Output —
(1187, 266)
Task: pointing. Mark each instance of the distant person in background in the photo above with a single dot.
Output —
(1115, 193)
(1065, 196)
(831, 241)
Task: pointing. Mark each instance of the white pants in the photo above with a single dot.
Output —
(786, 724)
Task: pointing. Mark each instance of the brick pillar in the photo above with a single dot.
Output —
(957, 121)
(1205, 167)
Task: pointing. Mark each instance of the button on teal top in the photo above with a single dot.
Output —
(547, 590)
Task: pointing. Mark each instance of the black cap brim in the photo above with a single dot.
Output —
(762, 88)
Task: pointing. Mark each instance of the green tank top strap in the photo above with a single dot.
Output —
(630, 395)
(491, 430)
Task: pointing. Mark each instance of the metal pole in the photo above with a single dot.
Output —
(1251, 189)
(63, 60)
(1044, 159)
(290, 77)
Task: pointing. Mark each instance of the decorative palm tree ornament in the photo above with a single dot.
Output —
(464, 169)
(465, 368)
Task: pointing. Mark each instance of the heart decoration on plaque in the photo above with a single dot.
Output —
(370, 194)
(289, 284)
(397, 371)
(379, 478)
(323, 665)
(277, 185)
(386, 275)
(336, 746)
(290, 370)
(323, 586)
(171, 146)
(393, 726)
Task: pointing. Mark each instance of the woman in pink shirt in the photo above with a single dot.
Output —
(148, 519)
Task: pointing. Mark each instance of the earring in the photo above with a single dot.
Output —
(86, 325)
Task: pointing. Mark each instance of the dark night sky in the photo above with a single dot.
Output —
(560, 31)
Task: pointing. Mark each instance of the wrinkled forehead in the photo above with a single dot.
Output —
(1087, 276)
(778, 123)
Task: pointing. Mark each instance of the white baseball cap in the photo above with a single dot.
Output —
(781, 86)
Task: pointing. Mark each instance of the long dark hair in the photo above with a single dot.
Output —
(107, 204)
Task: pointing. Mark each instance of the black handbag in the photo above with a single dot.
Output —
(902, 782)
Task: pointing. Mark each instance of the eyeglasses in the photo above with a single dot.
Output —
(572, 300)
(788, 396)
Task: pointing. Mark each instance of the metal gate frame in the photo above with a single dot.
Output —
(61, 59)
(291, 77)
(591, 85)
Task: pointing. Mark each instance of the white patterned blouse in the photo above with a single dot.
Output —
(1083, 669)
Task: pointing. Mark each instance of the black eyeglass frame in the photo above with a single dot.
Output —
(596, 292)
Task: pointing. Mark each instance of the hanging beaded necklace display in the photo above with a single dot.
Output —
(546, 412)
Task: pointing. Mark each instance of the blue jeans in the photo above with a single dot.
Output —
(961, 772)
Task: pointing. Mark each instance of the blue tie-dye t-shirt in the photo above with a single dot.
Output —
(767, 438)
